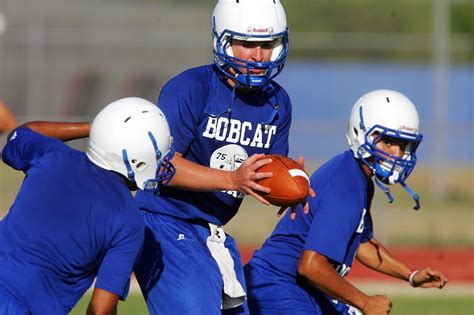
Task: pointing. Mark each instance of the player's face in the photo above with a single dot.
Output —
(260, 51)
(392, 146)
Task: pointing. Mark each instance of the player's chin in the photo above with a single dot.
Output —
(258, 72)
(254, 72)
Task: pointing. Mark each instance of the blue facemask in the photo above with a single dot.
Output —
(390, 169)
(224, 61)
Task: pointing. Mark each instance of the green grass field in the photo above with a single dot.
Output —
(402, 305)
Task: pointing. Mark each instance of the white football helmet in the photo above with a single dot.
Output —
(385, 113)
(249, 20)
(131, 136)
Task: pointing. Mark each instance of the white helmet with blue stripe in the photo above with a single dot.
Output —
(131, 136)
(249, 20)
(385, 113)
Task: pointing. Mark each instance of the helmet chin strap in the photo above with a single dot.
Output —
(387, 192)
(271, 118)
(414, 195)
(131, 174)
(384, 188)
(276, 107)
(153, 185)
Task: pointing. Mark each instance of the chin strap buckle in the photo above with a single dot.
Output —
(414, 195)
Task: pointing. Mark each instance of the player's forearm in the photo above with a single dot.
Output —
(320, 274)
(63, 131)
(192, 176)
(373, 255)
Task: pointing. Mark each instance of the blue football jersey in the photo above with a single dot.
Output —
(338, 221)
(71, 221)
(217, 126)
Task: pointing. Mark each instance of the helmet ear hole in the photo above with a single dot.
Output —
(140, 165)
(355, 131)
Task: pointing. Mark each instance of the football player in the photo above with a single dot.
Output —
(74, 217)
(301, 267)
(220, 115)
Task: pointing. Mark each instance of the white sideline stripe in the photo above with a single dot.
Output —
(296, 172)
(390, 289)
(403, 288)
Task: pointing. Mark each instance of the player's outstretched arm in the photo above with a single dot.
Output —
(64, 131)
(318, 271)
(375, 256)
(192, 176)
(102, 303)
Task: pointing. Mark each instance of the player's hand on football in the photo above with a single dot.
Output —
(246, 177)
(304, 204)
(377, 305)
(429, 278)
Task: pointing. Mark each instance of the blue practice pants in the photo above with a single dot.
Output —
(176, 271)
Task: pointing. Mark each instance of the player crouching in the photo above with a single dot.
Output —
(300, 269)
(74, 217)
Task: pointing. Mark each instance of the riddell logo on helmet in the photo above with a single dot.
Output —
(259, 30)
(407, 128)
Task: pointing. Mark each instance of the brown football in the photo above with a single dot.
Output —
(289, 184)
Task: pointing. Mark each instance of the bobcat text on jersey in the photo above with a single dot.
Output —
(236, 131)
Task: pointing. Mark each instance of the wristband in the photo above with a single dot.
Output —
(411, 276)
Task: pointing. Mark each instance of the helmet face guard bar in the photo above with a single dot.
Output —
(224, 61)
(385, 164)
(130, 172)
(164, 171)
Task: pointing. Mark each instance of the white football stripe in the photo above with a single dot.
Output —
(296, 172)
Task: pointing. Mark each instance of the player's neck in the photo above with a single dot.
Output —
(367, 171)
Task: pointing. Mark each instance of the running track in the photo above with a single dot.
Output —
(456, 263)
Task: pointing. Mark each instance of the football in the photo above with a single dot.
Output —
(289, 184)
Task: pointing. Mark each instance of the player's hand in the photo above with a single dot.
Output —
(377, 305)
(304, 204)
(429, 278)
(246, 177)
